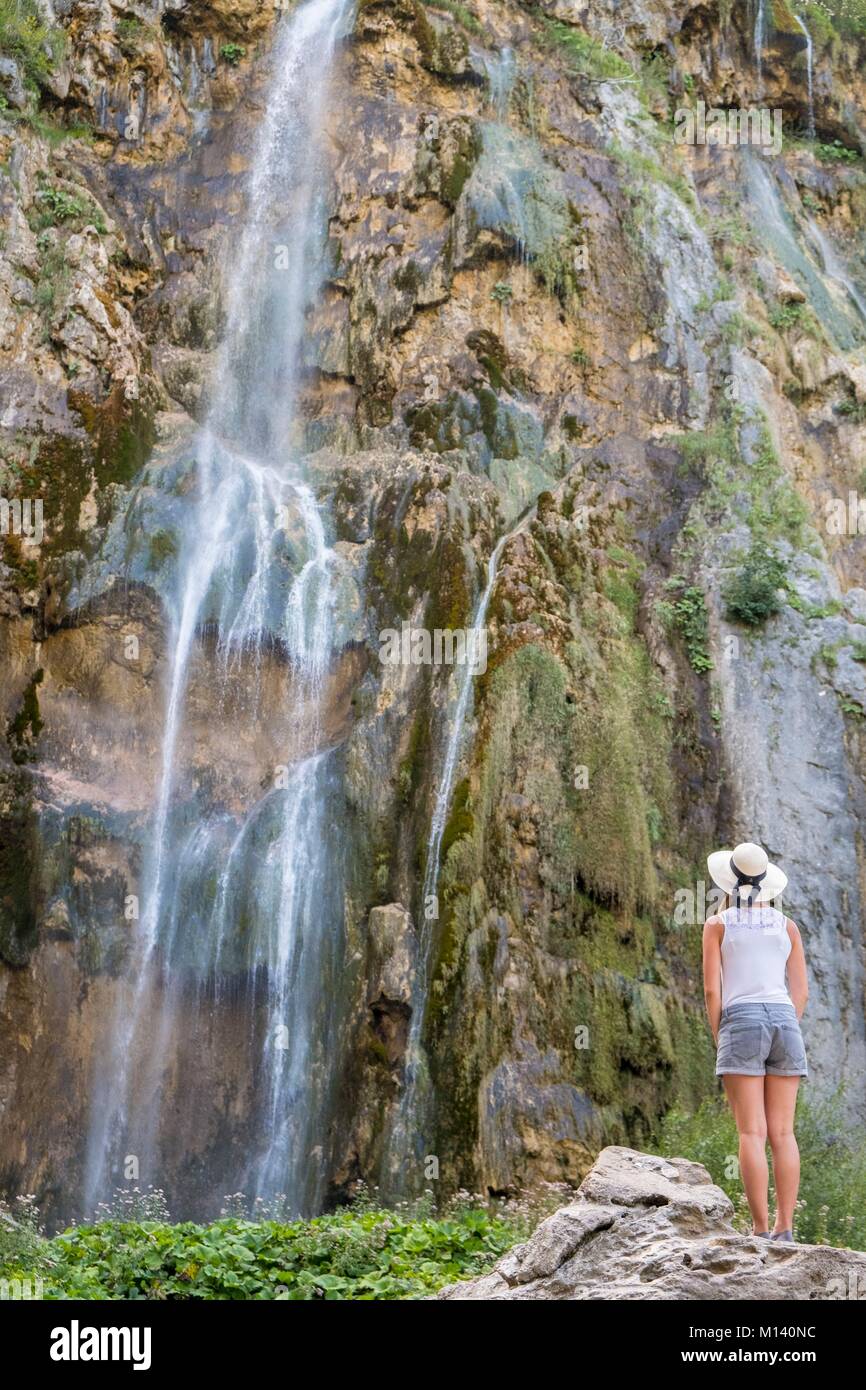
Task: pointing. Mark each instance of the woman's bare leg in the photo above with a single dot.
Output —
(746, 1097)
(780, 1100)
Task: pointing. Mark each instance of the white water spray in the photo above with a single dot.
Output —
(407, 1135)
(760, 37)
(810, 76)
(234, 579)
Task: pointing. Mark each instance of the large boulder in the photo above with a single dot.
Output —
(644, 1227)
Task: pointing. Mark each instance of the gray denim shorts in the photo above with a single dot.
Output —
(760, 1040)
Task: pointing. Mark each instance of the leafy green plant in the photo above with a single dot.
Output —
(502, 292)
(837, 151)
(752, 595)
(52, 282)
(133, 33)
(792, 315)
(579, 356)
(232, 53)
(359, 1253)
(687, 613)
(852, 409)
(583, 53)
(58, 205)
(36, 47)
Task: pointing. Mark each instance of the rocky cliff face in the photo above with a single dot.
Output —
(535, 299)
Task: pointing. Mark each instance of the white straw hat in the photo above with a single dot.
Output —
(747, 867)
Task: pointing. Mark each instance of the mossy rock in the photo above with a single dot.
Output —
(23, 730)
(443, 425)
(115, 442)
(19, 860)
(783, 19)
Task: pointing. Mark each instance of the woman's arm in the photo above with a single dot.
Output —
(713, 931)
(798, 984)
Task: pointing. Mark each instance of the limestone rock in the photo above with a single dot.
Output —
(392, 954)
(644, 1227)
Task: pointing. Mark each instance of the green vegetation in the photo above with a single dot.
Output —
(360, 1253)
(813, 610)
(22, 732)
(687, 614)
(52, 283)
(583, 53)
(832, 1205)
(133, 34)
(643, 170)
(163, 546)
(753, 594)
(463, 16)
(35, 46)
(837, 151)
(759, 490)
(793, 315)
(502, 292)
(655, 81)
(579, 356)
(853, 410)
(848, 17)
(232, 53)
(57, 206)
(723, 291)
(621, 580)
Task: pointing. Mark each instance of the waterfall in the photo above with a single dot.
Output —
(257, 571)
(500, 71)
(810, 74)
(407, 1134)
(833, 268)
(760, 36)
(806, 253)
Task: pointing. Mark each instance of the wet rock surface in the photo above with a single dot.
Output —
(533, 299)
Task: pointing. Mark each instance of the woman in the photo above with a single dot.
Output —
(755, 990)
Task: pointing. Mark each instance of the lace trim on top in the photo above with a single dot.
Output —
(759, 918)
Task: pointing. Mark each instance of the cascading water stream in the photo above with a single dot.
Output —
(501, 72)
(810, 76)
(807, 254)
(832, 266)
(256, 570)
(760, 38)
(408, 1135)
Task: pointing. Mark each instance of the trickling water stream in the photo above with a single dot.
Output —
(255, 892)
(807, 254)
(810, 76)
(409, 1134)
(760, 37)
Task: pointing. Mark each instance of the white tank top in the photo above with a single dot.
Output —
(755, 951)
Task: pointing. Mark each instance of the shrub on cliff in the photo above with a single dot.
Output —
(24, 36)
(752, 595)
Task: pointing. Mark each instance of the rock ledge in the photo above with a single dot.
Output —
(644, 1227)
